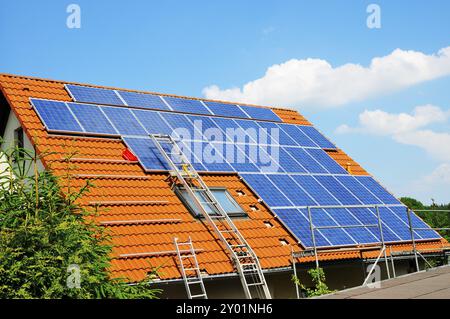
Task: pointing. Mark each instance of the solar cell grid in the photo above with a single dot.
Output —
(124, 121)
(92, 118)
(316, 136)
(224, 109)
(259, 113)
(143, 100)
(94, 95)
(186, 105)
(56, 116)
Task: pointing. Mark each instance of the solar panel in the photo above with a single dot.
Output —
(377, 190)
(281, 161)
(143, 100)
(317, 137)
(209, 129)
(266, 190)
(56, 116)
(234, 132)
(362, 193)
(326, 161)
(181, 126)
(337, 190)
(259, 113)
(93, 95)
(315, 190)
(297, 135)
(308, 162)
(186, 105)
(210, 157)
(152, 122)
(235, 157)
(92, 119)
(294, 193)
(124, 121)
(147, 152)
(277, 136)
(224, 109)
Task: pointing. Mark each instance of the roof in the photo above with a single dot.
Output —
(431, 284)
(126, 193)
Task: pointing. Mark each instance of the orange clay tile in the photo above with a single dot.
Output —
(347, 162)
(123, 192)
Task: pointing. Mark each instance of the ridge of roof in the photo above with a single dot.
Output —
(145, 92)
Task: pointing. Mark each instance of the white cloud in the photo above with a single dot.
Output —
(407, 128)
(411, 129)
(315, 82)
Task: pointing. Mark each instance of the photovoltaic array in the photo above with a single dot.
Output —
(287, 165)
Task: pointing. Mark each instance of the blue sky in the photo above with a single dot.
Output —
(184, 47)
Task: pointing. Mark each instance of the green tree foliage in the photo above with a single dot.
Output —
(436, 219)
(318, 279)
(43, 233)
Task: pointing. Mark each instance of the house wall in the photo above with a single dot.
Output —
(8, 142)
(339, 275)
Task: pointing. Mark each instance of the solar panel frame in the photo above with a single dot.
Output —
(143, 100)
(316, 136)
(94, 96)
(94, 120)
(186, 105)
(48, 118)
(124, 121)
(260, 113)
(225, 109)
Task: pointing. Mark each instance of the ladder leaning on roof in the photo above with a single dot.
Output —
(243, 257)
(190, 270)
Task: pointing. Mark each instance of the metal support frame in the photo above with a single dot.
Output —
(412, 229)
(313, 237)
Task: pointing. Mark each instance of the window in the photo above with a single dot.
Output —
(221, 195)
(19, 143)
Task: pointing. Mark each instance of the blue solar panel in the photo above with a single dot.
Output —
(147, 152)
(336, 236)
(309, 163)
(315, 190)
(416, 222)
(185, 147)
(266, 190)
(209, 129)
(326, 161)
(182, 127)
(337, 190)
(297, 222)
(224, 109)
(377, 190)
(124, 121)
(235, 157)
(92, 118)
(210, 157)
(56, 116)
(187, 106)
(278, 136)
(294, 193)
(259, 113)
(317, 137)
(143, 100)
(297, 135)
(152, 122)
(282, 161)
(234, 132)
(358, 190)
(93, 95)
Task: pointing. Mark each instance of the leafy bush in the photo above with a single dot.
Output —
(318, 279)
(45, 236)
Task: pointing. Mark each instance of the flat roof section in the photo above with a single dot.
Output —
(430, 284)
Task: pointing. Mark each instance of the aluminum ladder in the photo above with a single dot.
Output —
(244, 259)
(190, 270)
